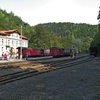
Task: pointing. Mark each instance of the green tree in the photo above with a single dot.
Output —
(40, 38)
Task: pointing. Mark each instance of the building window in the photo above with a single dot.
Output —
(25, 43)
(2, 41)
(12, 42)
(16, 43)
(8, 41)
(2, 51)
(17, 35)
(22, 43)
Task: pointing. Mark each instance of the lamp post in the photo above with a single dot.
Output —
(21, 44)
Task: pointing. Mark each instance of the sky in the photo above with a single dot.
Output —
(36, 12)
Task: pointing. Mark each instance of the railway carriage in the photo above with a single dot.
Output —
(67, 52)
(56, 52)
(27, 51)
(24, 51)
(37, 52)
(31, 52)
(93, 51)
(47, 52)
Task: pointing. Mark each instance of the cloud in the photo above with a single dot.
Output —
(56, 11)
(44, 11)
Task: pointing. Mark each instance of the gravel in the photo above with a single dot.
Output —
(81, 82)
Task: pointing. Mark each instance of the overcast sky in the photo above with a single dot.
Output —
(34, 12)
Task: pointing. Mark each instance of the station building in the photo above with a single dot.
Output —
(10, 40)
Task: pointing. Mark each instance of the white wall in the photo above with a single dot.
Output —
(12, 41)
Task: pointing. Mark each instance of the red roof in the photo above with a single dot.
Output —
(8, 32)
(23, 37)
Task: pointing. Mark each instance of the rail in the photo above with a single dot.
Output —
(4, 79)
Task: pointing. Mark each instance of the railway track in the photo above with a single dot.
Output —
(16, 64)
(42, 68)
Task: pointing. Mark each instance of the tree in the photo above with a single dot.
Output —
(96, 39)
(40, 38)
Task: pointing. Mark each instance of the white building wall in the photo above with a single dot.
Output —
(12, 41)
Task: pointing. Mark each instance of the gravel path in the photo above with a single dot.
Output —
(81, 82)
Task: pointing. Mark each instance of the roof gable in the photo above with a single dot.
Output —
(8, 32)
(13, 31)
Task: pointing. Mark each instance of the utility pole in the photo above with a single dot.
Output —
(21, 44)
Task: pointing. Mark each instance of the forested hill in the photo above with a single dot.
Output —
(45, 35)
(80, 30)
(11, 21)
(79, 34)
